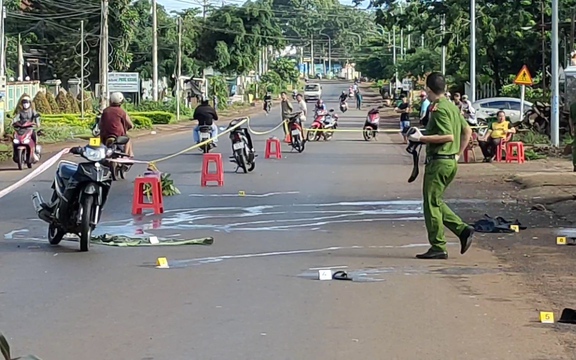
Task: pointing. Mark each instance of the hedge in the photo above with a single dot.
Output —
(156, 117)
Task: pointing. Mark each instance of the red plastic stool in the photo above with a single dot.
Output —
(500, 149)
(519, 156)
(157, 203)
(277, 148)
(217, 176)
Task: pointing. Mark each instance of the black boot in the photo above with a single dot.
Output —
(432, 254)
(466, 239)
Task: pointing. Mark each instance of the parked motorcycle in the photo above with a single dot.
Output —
(324, 120)
(79, 194)
(25, 150)
(295, 128)
(371, 124)
(242, 148)
(343, 106)
(538, 119)
(205, 134)
(118, 146)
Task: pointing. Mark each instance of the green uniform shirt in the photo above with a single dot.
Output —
(445, 119)
(573, 112)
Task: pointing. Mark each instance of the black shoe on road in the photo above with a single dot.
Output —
(433, 255)
(466, 239)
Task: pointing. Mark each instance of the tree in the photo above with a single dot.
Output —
(286, 69)
(74, 109)
(52, 102)
(41, 104)
(63, 103)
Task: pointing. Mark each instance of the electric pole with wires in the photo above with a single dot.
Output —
(104, 56)
(179, 72)
(154, 52)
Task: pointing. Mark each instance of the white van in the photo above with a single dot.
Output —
(312, 91)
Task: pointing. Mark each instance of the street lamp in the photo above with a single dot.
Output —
(329, 53)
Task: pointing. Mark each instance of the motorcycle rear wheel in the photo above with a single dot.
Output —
(85, 226)
(368, 133)
(55, 234)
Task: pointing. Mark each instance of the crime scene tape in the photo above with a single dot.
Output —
(39, 170)
(379, 130)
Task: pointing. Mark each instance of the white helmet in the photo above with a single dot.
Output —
(26, 98)
(116, 98)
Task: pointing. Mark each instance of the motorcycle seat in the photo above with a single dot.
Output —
(204, 128)
(66, 169)
(122, 140)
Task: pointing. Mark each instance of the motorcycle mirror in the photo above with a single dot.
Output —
(77, 150)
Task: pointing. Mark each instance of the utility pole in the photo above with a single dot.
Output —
(543, 46)
(409, 36)
(82, 68)
(204, 6)
(312, 68)
(443, 25)
(555, 128)
(394, 57)
(154, 52)
(20, 59)
(422, 40)
(473, 50)
(104, 56)
(179, 72)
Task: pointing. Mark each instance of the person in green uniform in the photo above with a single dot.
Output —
(447, 135)
(573, 133)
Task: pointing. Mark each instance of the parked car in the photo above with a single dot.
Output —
(489, 107)
(312, 91)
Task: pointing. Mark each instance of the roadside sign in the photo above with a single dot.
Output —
(406, 84)
(524, 77)
(128, 82)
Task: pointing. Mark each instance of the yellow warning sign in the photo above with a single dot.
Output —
(524, 77)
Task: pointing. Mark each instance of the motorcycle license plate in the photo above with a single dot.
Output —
(295, 132)
(237, 146)
(204, 136)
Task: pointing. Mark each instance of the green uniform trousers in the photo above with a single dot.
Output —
(438, 175)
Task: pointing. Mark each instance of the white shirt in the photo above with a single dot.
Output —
(303, 108)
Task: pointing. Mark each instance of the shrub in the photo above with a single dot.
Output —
(52, 101)
(157, 117)
(74, 108)
(41, 103)
(63, 103)
(141, 122)
(88, 101)
(169, 106)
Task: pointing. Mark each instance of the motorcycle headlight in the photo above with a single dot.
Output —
(26, 141)
(94, 154)
(16, 141)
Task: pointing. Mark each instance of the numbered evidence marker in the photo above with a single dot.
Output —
(162, 263)
(94, 142)
(561, 240)
(516, 228)
(546, 317)
(325, 274)
(241, 193)
(154, 240)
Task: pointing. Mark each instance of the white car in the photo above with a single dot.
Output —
(312, 91)
(486, 108)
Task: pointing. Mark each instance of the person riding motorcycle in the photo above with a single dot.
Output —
(115, 122)
(25, 112)
(343, 96)
(206, 115)
(294, 93)
(320, 106)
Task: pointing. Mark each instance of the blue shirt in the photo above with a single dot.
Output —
(424, 107)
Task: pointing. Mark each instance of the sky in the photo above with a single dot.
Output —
(186, 4)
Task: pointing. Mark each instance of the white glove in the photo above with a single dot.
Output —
(457, 158)
(415, 137)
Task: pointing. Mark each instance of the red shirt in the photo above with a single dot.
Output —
(113, 122)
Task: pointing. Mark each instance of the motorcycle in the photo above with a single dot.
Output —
(371, 124)
(79, 194)
(118, 146)
(324, 120)
(25, 150)
(295, 128)
(243, 152)
(343, 106)
(294, 93)
(205, 134)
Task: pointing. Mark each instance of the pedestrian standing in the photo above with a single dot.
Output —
(302, 107)
(404, 110)
(286, 108)
(358, 100)
(425, 103)
(447, 136)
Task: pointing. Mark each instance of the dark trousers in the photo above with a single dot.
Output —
(489, 147)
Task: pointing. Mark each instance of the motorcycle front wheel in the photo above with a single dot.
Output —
(20, 158)
(55, 235)
(311, 134)
(85, 226)
(368, 132)
(240, 160)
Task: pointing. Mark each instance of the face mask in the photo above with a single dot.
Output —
(26, 106)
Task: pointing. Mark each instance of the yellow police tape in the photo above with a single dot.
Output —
(246, 120)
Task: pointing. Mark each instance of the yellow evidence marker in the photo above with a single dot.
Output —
(162, 263)
(561, 240)
(94, 142)
(516, 228)
(241, 193)
(546, 317)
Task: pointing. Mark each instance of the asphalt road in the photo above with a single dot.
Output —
(253, 293)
